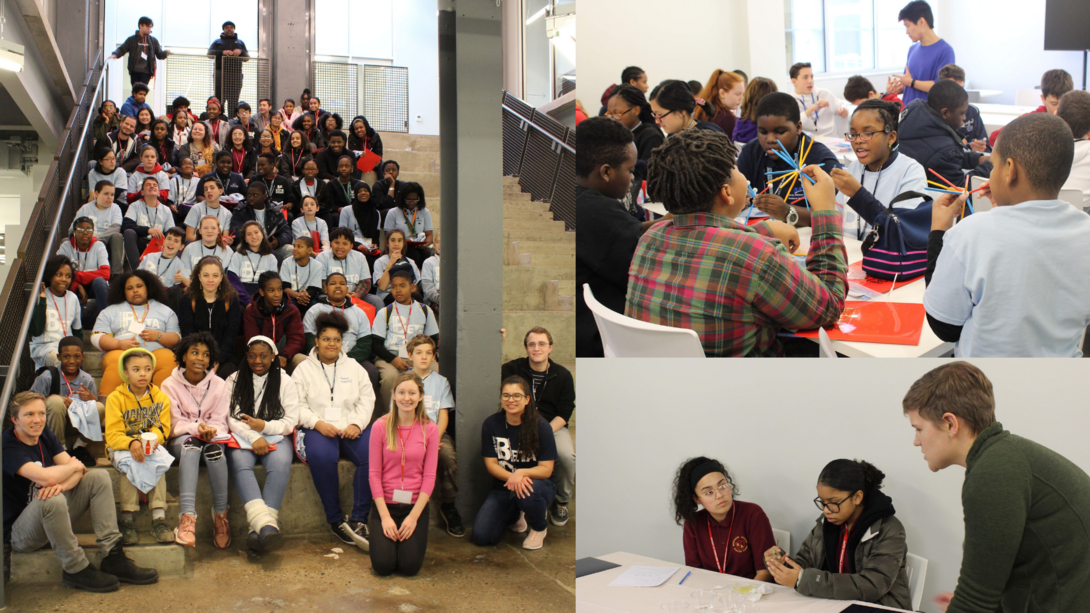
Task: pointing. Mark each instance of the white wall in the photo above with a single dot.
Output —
(776, 427)
(416, 45)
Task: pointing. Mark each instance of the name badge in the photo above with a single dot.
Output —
(403, 497)
(401, 353)
(136, 328)
(143, 55)
(333, 414)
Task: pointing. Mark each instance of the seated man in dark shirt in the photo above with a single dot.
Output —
(45, 489)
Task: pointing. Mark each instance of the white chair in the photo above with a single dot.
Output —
(979, 204)
(917, 572)
(783, 540)
(1028, 97)
(1073, 197)
(624, 337)
(825, 345)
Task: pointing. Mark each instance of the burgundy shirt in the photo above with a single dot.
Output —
(749, 540)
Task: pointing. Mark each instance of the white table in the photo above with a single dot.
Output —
(593, 594)
(996, 116)
(986, 93)
(840, 148)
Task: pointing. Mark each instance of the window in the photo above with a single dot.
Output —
(846, 35)
(354, 28)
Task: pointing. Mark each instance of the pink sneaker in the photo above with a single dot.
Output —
(222, 536)
(183, 534)
(535, 540)
(520, 526)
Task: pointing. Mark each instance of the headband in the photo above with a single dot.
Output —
(262, 339)
(711, 466)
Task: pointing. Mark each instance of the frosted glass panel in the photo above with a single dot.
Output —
(333, 36)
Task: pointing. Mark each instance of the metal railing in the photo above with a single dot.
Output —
(540, 151)
(58, 200)
(380, 93)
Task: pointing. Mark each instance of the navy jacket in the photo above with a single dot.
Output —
(927, 138)
(227, 43)
(973, 128)
(275, 224)
(234, 184)
(754, 163)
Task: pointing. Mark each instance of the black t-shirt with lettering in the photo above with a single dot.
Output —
(500, 440)
(17, 490)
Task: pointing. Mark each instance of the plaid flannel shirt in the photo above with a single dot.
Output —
(734, 288)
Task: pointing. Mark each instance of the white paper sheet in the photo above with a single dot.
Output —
(644, 576)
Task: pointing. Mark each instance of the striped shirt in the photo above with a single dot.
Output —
(732, 286)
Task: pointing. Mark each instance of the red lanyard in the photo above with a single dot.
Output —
(66, 383)
(274, 328)
(295, 160)
(64, 329)
(237, 158)
(404, 328)
(403, 441)
(726, 550)
(843, 548)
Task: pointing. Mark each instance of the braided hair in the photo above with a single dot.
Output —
(242, 397)
(686, 172)
(633, 96)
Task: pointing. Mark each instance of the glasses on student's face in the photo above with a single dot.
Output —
(617, 116)
(85, 230)
(834, 507)
(541, 345)
(712, 492)
(863, 136)
(659, 118)
(515, 397)
(412, 201)
(330, 339)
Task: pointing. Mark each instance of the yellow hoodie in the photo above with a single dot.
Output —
(126, 418)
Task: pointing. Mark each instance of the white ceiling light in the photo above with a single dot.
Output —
(11, 56)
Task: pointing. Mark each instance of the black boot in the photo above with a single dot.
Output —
(91, 580)
(119, 565)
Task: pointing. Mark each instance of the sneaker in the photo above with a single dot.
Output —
(222, 535)
(253, 543)
(116, 563)
(84, 456)
(359, 533)
(270, 537)
(161, 530)
(535, 539)
(127, 528)
(91, 580)
(558, 515)
(520, 526)
(184, 533)
(450, 516)
(342, 531)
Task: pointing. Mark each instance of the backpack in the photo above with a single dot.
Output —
(55, 379)
(896, 247)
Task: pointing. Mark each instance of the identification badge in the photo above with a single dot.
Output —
(333, 414)
(401, 353)
(403, 497)
(136, 328)
(144, 55)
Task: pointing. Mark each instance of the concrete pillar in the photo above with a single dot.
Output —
(512, 48)
(71, 28)
(470, 82)
(292, 39)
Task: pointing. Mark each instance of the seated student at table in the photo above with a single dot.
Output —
(740, 530)
(859, 89)
(878, 174)
(519, 453)
(673, 104)
(603, 175)
(737, 287)
(211, 305)
(819, 107)
(779, 127)
(628, 106)
(857, 550)
(1013, 282)
(929, 134)
(745, 129)
(136, 317)
(1075, 110)
(1054, 84)
(973, 133)
(722, 94)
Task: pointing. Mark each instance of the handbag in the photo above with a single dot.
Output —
(896, 247)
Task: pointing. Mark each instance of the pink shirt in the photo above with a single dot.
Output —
(420, 464)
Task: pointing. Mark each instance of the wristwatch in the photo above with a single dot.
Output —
(792, 215)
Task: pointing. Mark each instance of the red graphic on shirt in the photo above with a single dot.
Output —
(739, 544)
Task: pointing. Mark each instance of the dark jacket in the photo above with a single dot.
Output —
(131, 108)
(604, 247)
(380, 194)
(187, 151)
(648, 136)
(233, 185)
(290, 163)
(275, 224)
(973, 128)
(251, 127)
(315, 136)
(369, 219)
(164, 152)
(281, 190)
(877, 558)
(227, 43)
(249, 162)
(327, 163)
(927, 138)
(287, 324)
(337, 121)
(226, 323)
(101, 128)
(558, 396)
(135, 47)
(744, 131)
(128, 158)
(374, 140)
(332, 196)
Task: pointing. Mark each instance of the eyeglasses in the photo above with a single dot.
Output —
(622, 113)
(711, 492)
(85, 230)
(515, 397)
(659, 118)
(330, 339)
(834, 507)
(863, 136)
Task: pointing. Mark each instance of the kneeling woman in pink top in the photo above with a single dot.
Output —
(404, 452)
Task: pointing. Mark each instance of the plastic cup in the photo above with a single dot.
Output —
(149, 439)
(704, 598)
(675, 605)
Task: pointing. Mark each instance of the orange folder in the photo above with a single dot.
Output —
(856, 274)
(892, 323)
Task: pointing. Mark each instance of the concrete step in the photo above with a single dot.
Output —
(545, 246)
(43, 566)
(408, 142)
(516, 215)
(520, 205)
(428, 180)
(560, 324)
(532, 275)
(510, 180)
(413, 161)
(540, 227)
(510, 234)
(552, 259)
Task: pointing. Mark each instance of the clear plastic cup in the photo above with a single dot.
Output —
(675, 605)
(704, 598)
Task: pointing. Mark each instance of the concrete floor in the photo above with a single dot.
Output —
(457, 576)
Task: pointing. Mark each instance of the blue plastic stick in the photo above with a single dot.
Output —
(945, 191)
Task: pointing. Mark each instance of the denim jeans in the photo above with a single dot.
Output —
(189, 464)
(501, 509)
(322, 456)
(277, 465)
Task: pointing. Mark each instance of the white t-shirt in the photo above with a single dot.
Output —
(249, 265)
(437, 395)
(1017, 281)
(825, 124)
(429, 279)
(183, 191)
(62, 318)
(196, 250)
(348, 220)
(86, 261)
(358, 324)
(354, 267)
(165, 269)
(302, 277)
(302, 228)
(105, 219)
(150, 216)
(380, 269)
(395, 218)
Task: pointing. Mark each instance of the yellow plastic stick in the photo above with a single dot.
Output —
(786, 176)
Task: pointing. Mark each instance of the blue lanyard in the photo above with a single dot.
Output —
(813, 101)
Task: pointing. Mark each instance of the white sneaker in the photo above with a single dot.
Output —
(520, 526)
(535, 540)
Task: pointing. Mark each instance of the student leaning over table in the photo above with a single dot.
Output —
(1026, 507)
(857, 550)
(737, 286)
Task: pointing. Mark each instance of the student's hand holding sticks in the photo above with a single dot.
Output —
(821, 194)
(788, 235)
(945, 209)
(772, 205)
(979, 146)
(845, 182)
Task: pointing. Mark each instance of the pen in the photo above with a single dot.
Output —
(685, 577)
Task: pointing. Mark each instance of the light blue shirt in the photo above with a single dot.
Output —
(151, 217)
(116, 318)
(437, 395)
(62, 318)
(164, 268)
(107, 221)
(1016, 279)
(348, 220)
(302, 228)
(429, 279)
(202, 210)
(354, 267)
(395, 218)
(196, 250)
(380, 269)
(86, 261)
(358, 324)
(249, 265)
(302, 277)
(403, 325)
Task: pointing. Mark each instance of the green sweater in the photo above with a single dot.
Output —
(1027, 529)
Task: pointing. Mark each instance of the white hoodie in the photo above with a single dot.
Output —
(1080, 172)
(353, 399)
(289, 399)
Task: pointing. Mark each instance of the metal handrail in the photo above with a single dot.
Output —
(86, 98)
(530, 123)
